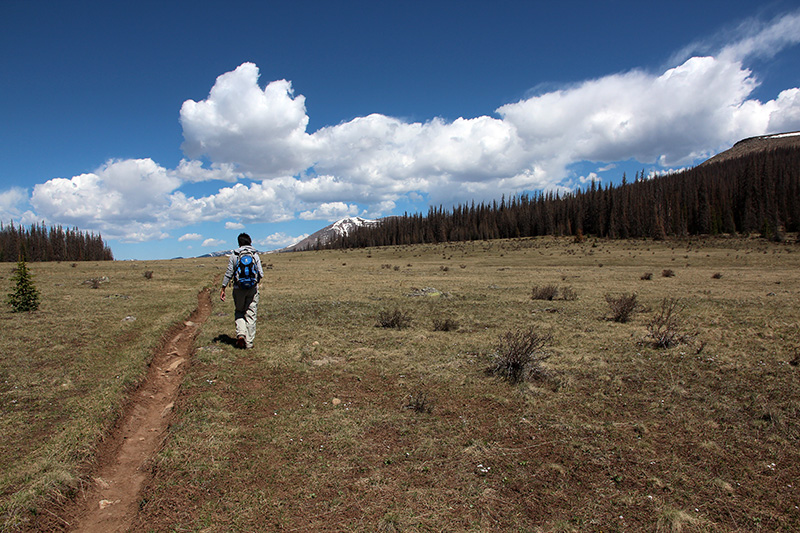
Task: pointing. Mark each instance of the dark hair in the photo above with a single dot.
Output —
(244, 239)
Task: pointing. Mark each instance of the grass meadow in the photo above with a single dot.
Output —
(335, 423)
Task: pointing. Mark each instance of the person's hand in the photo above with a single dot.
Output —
(222, 294)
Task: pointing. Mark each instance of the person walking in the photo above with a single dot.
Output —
(244, 269)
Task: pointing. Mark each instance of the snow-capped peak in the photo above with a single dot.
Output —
(344, 226)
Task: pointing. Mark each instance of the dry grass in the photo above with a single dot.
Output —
(324, 427)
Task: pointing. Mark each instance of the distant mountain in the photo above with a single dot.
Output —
(339, 228)
(756, 144)
(217, 254)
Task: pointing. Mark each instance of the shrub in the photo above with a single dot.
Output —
(647, 276)
(394, 319)
(545, 292)
(569, 294)
(444, 324)
(664, 328)
(667, 273)
(148, 274)
(717, 275)
(25, 296)
(622, 307)
(419, 403)
(518, 356)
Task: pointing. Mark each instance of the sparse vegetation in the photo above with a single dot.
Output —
(622, 306)
(568, 294)
(396, 319)
(665, 327)
(647, 276)
(419, 402)
(668, 273)
(444, 324)
(519, 354)
(544, 292)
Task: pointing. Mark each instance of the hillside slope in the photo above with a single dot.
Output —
(322, 237)
(756, 144)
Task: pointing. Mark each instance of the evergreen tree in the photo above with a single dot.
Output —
(25, 297)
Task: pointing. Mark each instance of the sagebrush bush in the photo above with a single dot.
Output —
(394, 319)
(647, 276)
(665, 327)
(519, 355)
(569, 294)
(544, 292)
(717, 275)
(622, 306)
(444, 324)
(668, 273)
(419, 402)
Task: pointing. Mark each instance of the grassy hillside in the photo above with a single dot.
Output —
(332, 423)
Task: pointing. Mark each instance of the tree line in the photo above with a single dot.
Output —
(756, 193)
(40, 243)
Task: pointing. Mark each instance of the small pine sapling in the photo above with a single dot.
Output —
(25, 296)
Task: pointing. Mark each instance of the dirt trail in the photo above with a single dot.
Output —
(111, 502)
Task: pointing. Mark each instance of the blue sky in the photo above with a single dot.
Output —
(169, 127)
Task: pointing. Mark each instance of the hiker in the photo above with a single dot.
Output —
(244, 268)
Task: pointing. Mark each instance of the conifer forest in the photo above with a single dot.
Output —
(40, 243)
(757, 193)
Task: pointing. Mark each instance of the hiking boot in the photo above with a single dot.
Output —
(240, 342)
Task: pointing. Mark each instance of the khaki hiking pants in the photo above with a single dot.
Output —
(246, 303)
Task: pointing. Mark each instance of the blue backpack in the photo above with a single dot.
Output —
(246, 273)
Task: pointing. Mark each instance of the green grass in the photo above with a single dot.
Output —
(67, 368)
(311, 430)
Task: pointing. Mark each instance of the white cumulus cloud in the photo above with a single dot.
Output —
(281, 240)
(330, 211)
(261, 131)
(190, 237)
(213, 243)
(126, 199)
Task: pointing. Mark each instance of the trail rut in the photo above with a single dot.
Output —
(110, 502)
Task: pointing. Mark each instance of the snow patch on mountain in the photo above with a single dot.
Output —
(340, 228)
